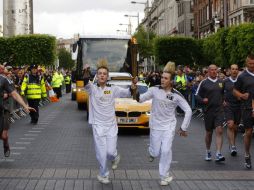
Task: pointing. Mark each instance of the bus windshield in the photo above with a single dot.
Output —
(114, 50)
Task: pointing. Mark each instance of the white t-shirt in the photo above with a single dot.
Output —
(163, 108)
(102, 103)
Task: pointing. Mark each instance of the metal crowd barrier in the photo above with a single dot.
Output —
(16, 111)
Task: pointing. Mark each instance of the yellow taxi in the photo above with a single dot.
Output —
(130, 113)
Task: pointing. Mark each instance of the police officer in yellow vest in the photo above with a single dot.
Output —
(56, 83)
(67, 80)
(33, 87)
(180, 83)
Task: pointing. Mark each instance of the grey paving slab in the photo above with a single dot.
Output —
(3, 172)
(182, 185)
(59, 184)
(210, 185)
(218, 185)
(31, 184)
(84, 173)
(24, 173)
(12, 184)
(120, 174)
(12, 173)
(135, 185)
(200, 184)
(154, 184)
(173, 185)
(41, 184)
(179, 174)
(69, 185)
(22, 184)
(132, 174)
(4, 183)
(60, 173)
(72, 173)
(229, 184)
(126, 185)
(36, 173)
(191, 185)
(192, 174)
(145, 185)
(78, 185)
(88, 184)
(97, 186)
(144, 174)
(154, 174)
(48, 173)
(50, 185)
(116, 185)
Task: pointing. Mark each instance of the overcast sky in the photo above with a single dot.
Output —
(63, 18)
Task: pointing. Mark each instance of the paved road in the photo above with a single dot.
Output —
(58, 153)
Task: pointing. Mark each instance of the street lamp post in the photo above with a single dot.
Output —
(122, 30)
(137, 16)
(148, 27)
(129, 27)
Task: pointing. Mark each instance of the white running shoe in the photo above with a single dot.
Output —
(104, 180)
(166, 181)
(116, 162)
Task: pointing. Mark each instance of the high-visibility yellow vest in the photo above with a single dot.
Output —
(56, 80)
(181, 79)
(33, 90)
(67, 80)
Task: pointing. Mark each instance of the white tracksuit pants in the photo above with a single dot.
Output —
(161, 144)
(105, 140)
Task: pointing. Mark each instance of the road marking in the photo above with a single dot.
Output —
(18, 148)
(34, 131)
(15, 153)
(23, 142)
(174, 162)
(33, 135)
(6, 160)
(37, 128)
(26, 138)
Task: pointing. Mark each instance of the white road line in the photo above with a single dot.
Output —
(37, 128)
(17, 148)
(26, 139)
(6, 160)
(174, 162)
(15, 153)
(33, 135)
(23, 142)
(34, 131)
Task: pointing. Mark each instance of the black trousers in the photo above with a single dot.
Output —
(68, 88)
(58, 92)
(34, 103)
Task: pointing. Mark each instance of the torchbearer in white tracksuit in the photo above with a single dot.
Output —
(103, 120)
(162, 121)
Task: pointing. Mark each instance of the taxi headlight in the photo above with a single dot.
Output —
(146, 113)
(74, 89)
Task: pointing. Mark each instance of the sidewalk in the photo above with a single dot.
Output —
(85, 179)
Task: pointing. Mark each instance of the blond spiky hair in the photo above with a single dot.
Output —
(170, 67)
(102, 63)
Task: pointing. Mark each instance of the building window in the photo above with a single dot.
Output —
(251, 1)
(191, 25)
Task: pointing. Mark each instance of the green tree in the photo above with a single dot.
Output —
(29, 49)
(145, 41)
(181, 50)
(65, 60)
